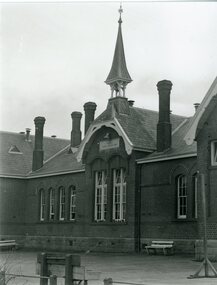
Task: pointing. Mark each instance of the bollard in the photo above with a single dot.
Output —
(108, 281)
(68, 270)
(53, 280)
(44, 269)
(2, 278)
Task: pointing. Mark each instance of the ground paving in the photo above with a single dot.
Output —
(134, 268)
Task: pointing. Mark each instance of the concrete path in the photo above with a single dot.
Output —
(140, 269)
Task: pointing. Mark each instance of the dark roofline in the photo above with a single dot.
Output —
(164, 158)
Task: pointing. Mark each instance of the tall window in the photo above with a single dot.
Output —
(214, 153)
(61, 203)
(195, 193)
(51, 204)
(72, 202)
(100, 195)
(181, 197)
(42, 205)
(119, 194)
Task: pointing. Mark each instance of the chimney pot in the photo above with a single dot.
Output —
(131, 103)
(89, 109)
(76, 129)
(38, 153)
(196, 106)
(28, 134)
(164, 126)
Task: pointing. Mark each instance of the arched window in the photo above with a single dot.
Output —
(42, 204)
(51, 204)
(100, 195)
(119, 194)
(62, 200)
(195, 194)
(72, 209)
(181, 197)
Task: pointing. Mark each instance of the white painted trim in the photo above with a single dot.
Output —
(42, 175)
(114, 124)
(179, 126)
(190, 135)
(156, 159)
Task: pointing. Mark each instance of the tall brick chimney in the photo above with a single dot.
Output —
(164, 126)
(76, 129)
(89, 109)
(38, 153)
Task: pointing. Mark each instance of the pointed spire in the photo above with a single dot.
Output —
(119, 76)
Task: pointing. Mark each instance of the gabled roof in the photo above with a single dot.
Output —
(20, 164)
(63, 163)
(191, 132)
(140, 125)
(179, 149)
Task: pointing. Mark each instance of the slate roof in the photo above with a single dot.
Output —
(140, 125)
(20, 164)
(61, 163)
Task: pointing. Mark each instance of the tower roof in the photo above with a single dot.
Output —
(119, 70)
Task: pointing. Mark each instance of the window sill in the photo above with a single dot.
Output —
(57, 222)
(187, 220)
(109, 223)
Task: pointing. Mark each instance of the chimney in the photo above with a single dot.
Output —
(164, 125)
(89, 109)
(38, 153)
(131, 103)
(28, 134)
(196, 105)
(76, 129)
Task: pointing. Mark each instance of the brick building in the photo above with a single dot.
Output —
(131, 179)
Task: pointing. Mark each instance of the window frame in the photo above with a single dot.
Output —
(62, 203)
(42, 204)
(181, 185)
(195, 193)
(119, 195)
(101, 199)
(72, 204)
(214, 153)
(51, 204)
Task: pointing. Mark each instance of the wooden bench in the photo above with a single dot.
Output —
(166, 246)
(8, 244)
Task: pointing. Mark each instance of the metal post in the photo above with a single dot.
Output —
(44, 268)
(68, 270)
(206, 269)
(2, 277)
(53, 280)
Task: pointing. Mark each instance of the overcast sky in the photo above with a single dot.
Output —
(56, 56)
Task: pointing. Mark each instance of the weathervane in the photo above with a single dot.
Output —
(120, 12)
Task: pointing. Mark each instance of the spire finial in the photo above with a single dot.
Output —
(120, 12)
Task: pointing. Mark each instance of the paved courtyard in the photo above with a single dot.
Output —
(134, 268)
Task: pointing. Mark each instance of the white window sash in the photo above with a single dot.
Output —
(119, 207)
(51, 199)
(181, 186)
(62, 205)
(72, 204)
(100, 196)
(42, 205)
(214, 153)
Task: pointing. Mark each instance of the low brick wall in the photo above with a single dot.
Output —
(211, 250)
(80, 244)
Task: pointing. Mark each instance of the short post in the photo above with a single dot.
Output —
(108, 281)
(2, 277)
(44, 268)
(69, 270)
(53, 280)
